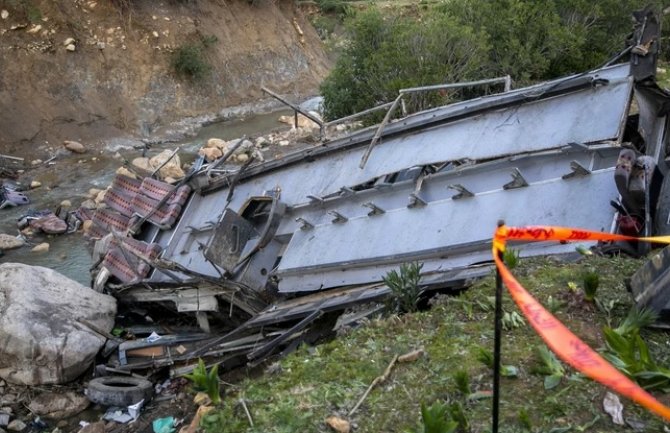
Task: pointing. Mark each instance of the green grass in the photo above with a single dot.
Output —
(330, 378)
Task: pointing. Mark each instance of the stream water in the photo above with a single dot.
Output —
(70, 178)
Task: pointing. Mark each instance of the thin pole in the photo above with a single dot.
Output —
(496, 347)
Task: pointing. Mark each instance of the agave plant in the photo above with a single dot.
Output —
(404, 285)
(206, 381)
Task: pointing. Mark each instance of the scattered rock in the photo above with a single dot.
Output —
(96, 427)
(34, 29)
(142, 164)
(222, 145)
(74, 146)
(242, 158)
(8, 399)
(93, 192)
(210, 153)
(4, 14)
(57, 406)
(36, 162)
(66, 204)
(68, 41)
(4, 419)
(44, 342)
(261, 142)
(9, 242)
(17, 425)
(303, 121)
(88, 204)
(86, 225)
(284, 142)
(338, 424)
(171, 169)
(40, 248)
(125, 172)
(70, 48)
(35, 184)
(100, 197)
(613, 407)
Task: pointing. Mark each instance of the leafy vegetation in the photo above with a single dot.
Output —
(550, 367)
(434, 419)
(405, 290)
(629, 352)
(462, 40)
(591, 282)
(320, 381)
(189, 59)
(206, 381)
(511, 257)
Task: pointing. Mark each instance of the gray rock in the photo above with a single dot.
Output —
(4, 419)
(7, 399)
(9, 242)
(74, 146)
(17, 425)
(42, 338)
(57, 406)
(96, 427)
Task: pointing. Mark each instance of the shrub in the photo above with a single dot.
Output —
(388, 52)
(189, 61)
(405, 290)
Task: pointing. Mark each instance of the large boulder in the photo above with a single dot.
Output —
(44, 325)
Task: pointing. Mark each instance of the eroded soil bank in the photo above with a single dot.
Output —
(94, 72)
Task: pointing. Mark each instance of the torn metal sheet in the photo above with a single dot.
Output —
(589, 110)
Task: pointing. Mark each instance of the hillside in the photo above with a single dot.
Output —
(117, 78)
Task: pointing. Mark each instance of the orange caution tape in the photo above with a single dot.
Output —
(560, 339)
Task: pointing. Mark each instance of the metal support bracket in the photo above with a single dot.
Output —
(304, 224)
(315, 199)
(463, 192)
(415, 200)
(376, 210)
(577, 170)
(339, 218)
(518, 180)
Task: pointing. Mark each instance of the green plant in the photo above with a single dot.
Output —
(629, 352)
(511, 257)
(457, 413)
(206, 381)
(512, 320)
(553, 304)
(434, 419)
(550, 367)
(591, 281)
(485, 357)
(524, 419)
(404, 286)
(189, 61)
(462, 379)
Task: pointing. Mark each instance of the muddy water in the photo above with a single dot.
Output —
(70, 178)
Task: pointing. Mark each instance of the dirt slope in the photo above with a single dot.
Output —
(119, 80)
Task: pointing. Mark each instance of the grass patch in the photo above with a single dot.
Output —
(328, 379)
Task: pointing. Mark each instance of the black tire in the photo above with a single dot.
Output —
(119, 391)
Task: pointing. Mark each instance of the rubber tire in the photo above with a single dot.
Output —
(119, 391)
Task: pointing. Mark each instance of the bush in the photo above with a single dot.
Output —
(462, 40)
(189, 61)
(387, 53)
(405, 290)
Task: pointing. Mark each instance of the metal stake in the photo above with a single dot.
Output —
(496, 345)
